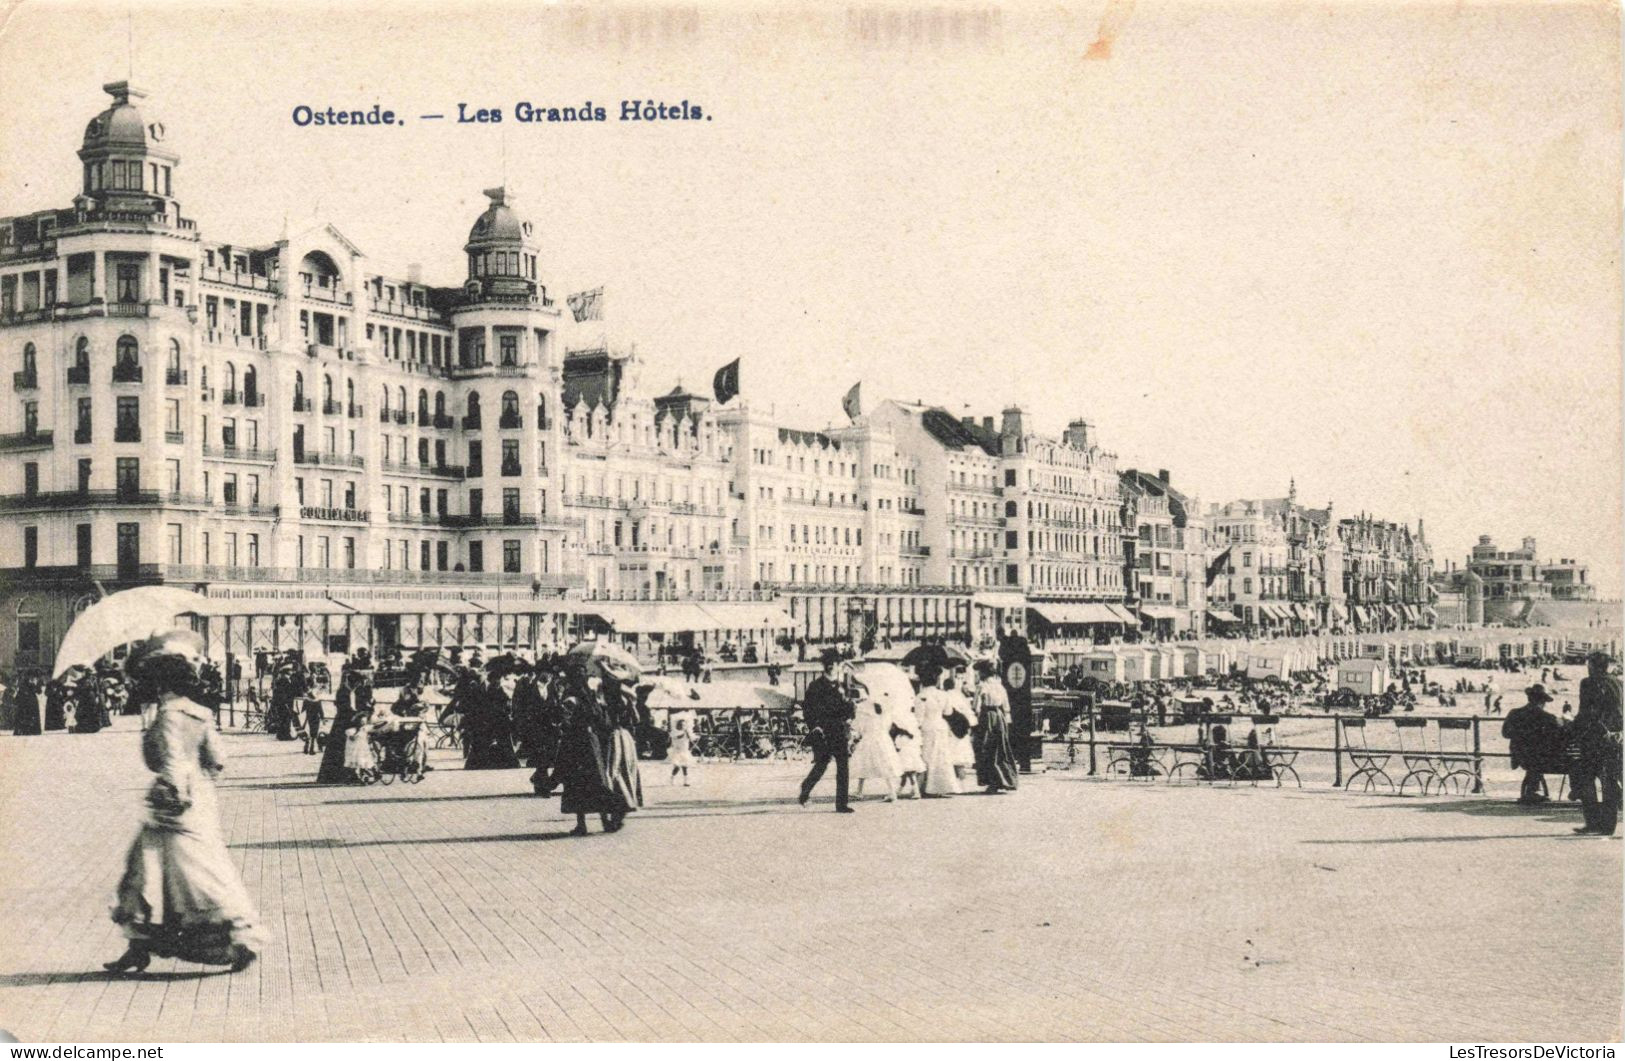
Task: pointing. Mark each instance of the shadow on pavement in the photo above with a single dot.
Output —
(94, 976)
(403, 841)
(1555, 812)
(1447, 839)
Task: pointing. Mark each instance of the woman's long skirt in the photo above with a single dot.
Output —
(995, 762)
(27, 722)
(584, 775)
(181, 896)
(624, 780)
(938, 748)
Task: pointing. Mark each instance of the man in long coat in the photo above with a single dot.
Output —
(828, 713)
(1595, 733)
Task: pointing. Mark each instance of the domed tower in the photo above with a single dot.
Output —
(126, 168)
(502, 255)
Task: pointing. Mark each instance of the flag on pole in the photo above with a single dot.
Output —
(726, 383)
(852, 404)
(587, 305)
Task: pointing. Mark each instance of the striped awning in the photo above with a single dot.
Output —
(1127, 617)
(272, 606)
(1222, 615)
(415, 606)
(651, 617)
(1076, 614)
(746, 615)
(1159, 611)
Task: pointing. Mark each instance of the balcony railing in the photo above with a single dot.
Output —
(77, 499)
(449, 471)
(173, 377)
(127, 372)
(25, 440)
(471, 422)
(25, 381)
(508, 421)
(475, 469)
(302, 405)
(253, 399)
(261, 456)
(331, 460)
(510, 468)
(331, 407)
(127, 433)
(443, 421)
(81, 435)
(505, 519)
(354, 411)
(384, 416)
(334, 515)
(78, 375)
(229, 397)
(175, 437)
(402, 416)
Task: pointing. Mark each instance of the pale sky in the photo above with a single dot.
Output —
(1374, 247)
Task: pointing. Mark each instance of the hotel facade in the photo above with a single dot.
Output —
(337, 455)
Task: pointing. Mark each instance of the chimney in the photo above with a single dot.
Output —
(1529, 545)
(1012, 427)
(987, 424)
(968, 421)
(414, 272)
(1077, 434)
(1162, 476)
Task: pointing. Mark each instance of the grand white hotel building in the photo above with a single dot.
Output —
(335, 456)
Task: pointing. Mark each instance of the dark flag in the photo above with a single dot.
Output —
(726, 383)
(852, 404)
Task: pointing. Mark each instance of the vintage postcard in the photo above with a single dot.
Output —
(811, 522)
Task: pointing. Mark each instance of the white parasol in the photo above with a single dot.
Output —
(119, 618)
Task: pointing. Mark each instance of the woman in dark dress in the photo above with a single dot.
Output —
(87, 706)
(582, 765)
(488, 723)
(995, 762)
(333, 771)
(56, 709)
(621, 758)
(27, 709)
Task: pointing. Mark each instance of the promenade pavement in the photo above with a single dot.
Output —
(1073, 909)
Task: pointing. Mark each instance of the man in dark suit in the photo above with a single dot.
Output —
(828, 714)
(1595, 733)
(1534, 738)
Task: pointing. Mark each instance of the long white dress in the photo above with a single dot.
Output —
(875, 759)
(964, 747)
(937, 743)
(681, 752)
(180, 895)
(909, 759)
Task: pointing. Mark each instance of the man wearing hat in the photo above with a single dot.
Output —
(829, 715)
(1595, 733)
(1533, 736)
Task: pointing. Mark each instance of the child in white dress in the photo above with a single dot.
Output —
(876, 758)
(681, 755)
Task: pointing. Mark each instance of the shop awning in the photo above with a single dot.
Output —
(746, 615)
(1159, 611)
(999, 600)
(271, 606)
(1222, 615)
(434, 606)
(1062, 614)
(1123, 614)
(651, 617)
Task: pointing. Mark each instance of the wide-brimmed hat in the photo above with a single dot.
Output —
(1538, 695)
(829, 656)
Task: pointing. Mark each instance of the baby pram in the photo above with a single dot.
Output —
(397, 750)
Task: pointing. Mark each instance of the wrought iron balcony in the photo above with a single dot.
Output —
(302, 404)
(78, 375)
(508, 420)
(229, 397)
(173, 377)
(127, 372)
(35, 439)
(471, 422)
(127, 433)
(331, 407)
(25, 380)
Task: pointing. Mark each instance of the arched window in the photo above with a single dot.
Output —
(251, 387)
(174, 366)
(129, 351)
(541, 414)
(510, 402)
(400, 402)
(30, 359)
(385, 407)
(423, 406)
(474, 404)
(349, 392)
(327, 388)
(439, 404)
(81, 353)
(298, 386)
(231, 378)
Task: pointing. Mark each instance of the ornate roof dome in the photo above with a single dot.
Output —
(499, 222)
(121, 125)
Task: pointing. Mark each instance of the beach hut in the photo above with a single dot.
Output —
(1366, 677)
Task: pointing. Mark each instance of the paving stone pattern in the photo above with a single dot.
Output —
(1074, 909)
